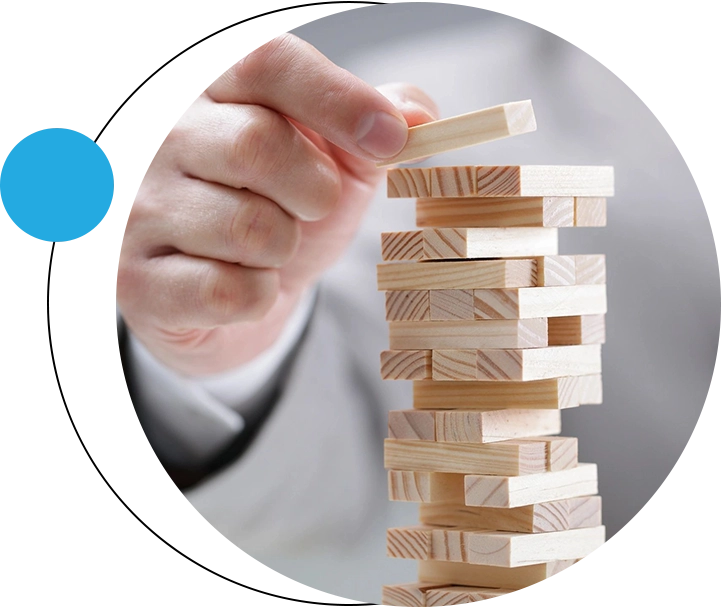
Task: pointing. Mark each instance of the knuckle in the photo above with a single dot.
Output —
(250, 143)
(265, 62)
(261, 294)
(250, 232)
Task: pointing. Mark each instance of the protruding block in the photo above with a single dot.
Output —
(515, 365)
(507, 458)
(577, 330)
(516, 491)
(465, 130)
(561, 452)
(538, 302)
(492, 548)
(408, 305)
(555, 393)
(530, 180)
(482, 274)
(425, 487)
(439, 572)
(549, 212)
(472, 426)
(409, 182)
(430, 335)
(559, 515)
(402, 246)
(406, 364)
(590, 212)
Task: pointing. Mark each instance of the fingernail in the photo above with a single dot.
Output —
(382, 135)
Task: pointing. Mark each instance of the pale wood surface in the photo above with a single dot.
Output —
(576, 330)
(561, 451)
(515, 364)
(514, 491)
(549, 212)
(425, 487)
(472, 426)
(590, 269)
(483, 274)
(507, 458)
(431, 335)
(468, 243)
(406, 364)
(408, 305)
(534, 180)
(466, 130)
(492, 548)
(433, 595)
(495, 304)
(555, 393)
(556, 271)
(590, 212)
(409, 182)
(456, 181)
(441, 572)
(559, 515)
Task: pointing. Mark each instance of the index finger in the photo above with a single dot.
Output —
(293, 78)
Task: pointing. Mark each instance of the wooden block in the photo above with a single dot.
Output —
(406, 364)
(409, 182)
(472, 426)
(560, 515)
(431, 335)
(468, 243)
(483, 274)
(590, 269)
(439, 572)
(453, 181)
(536, 302)
(492, 548)
(451, 304)
(507, 458)
(556, 270)
(516, 491)
(465, 130)
(406, 246)
(433, 595)
(425, 487)
(561, 451)
(590, 212)
(515, 365)
(408, 305)
(585, 181)
(556, 393)
(410, 424)
(576, 330)
(549, 212)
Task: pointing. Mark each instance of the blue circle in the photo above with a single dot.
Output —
(56, 185)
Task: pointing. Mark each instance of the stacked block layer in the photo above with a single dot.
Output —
(498, 333)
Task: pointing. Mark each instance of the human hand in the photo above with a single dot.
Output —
(255, 192)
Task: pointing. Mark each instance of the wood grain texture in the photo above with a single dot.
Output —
(590, 212)
(425, 487)
(406, 364)
(492, 548)
(431, 335)
(556, 271)
(472, 426)
(409, 182)
(408, 305)
(532, 180)
(515, 491)
(440, 572)
(468, 243)
(433, 595)
(561, 452)
(450, 304)
(539, 302)
(515, 364)
(507, 458)
(466, 130)
(469, 212)
(559, 515)
(483, 274)
(406, 246)
(555, 393)
(458, 181)
(590, 269)
(577, 330)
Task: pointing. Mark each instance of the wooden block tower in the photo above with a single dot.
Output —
(498, 333)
